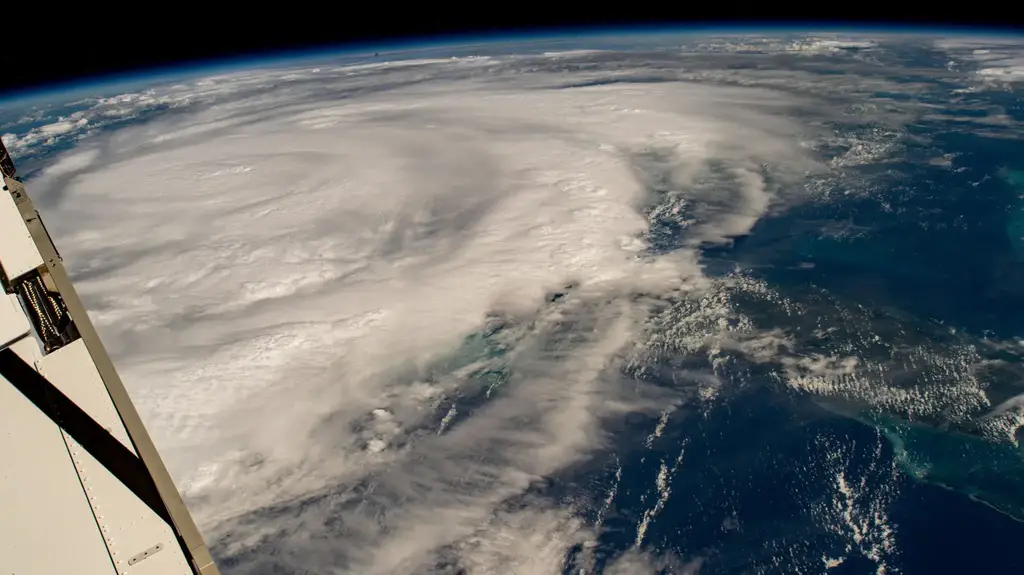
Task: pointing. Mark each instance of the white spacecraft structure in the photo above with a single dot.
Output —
(83, 490)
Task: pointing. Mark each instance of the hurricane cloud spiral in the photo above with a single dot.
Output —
(329, 289)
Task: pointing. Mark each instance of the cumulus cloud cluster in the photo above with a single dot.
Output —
(993, 59)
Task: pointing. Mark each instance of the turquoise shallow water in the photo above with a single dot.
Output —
(1015, 225)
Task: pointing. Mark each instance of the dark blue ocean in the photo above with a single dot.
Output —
(933, 256)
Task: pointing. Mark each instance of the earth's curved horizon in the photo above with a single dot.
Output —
(636, 303)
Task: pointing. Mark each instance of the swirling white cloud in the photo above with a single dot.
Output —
(277, 260)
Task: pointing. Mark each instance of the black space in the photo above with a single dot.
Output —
(43, 46)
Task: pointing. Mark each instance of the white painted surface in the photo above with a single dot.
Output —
(18, 252)
(129, 526)
(46, 525)
(71, 370)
